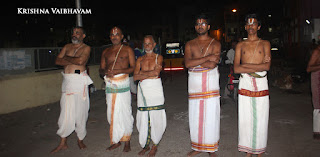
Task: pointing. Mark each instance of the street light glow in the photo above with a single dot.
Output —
(234, 10)
(308, 22)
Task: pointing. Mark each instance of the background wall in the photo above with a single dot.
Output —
(19, 92)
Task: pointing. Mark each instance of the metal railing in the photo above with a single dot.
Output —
(26, 60)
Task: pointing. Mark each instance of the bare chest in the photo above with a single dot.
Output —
(148, 64)
(115, 55)
(252, 54)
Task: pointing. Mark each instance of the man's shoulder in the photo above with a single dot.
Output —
(190, 42)
(127, 48)
(265, 42)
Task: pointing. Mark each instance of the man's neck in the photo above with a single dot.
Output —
(252, 37)
(117, 45)
(203, 37)
(78, 44)
(149, 54)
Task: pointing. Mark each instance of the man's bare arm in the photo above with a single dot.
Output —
(238, 68)
(136, 73)
(189, 61)
(103, 64)
(313, 65)
(60, 58)
(214, 60)
(80, 60)
(157, 69)
(265, 66)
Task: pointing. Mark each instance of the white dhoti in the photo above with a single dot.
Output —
(253, 112)
(119, 112)
(151, 116)
(74, 105)
(204, 109)
(315, 88)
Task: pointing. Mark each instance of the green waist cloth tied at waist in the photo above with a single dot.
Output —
(256, 75)
(159, 107)
(117, 90)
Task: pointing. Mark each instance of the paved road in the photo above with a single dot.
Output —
(32, 132)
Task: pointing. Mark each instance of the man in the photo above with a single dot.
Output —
(75, 99)
(202, 55)
(117, 62)
(254, 55)
(230, 53)
(314, 68)
(151, 116)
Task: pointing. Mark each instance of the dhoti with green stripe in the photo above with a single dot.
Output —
(253, 113)
(151, 115)
(119, 111)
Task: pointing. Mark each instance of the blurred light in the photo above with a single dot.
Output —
(269, 15)
(234, 10)
(173, 68)
(308, 22)
(49, 51)
(51, 29)
(245, 38)
(274, 49)
(270, 29)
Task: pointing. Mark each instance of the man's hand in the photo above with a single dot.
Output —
(214, 58)
(266, 59)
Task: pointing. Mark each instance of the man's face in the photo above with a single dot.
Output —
(252, 26)
(148, 45)
(202, 26)
(77, 36)
(116, 36)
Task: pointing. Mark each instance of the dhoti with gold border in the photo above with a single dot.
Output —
(119, 111)
(204, 109)
(253, 112)
(151, 115)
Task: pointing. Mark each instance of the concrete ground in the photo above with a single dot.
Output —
(32, 132)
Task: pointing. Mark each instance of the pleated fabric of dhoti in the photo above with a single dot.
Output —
(315, 87)
(204, 109)
(253, 112)
(151, 115)
(74, 105)
(119, 111)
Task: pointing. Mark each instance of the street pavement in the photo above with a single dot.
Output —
(32, 132)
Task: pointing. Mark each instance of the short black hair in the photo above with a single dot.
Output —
(255, 16)
(203, 16)
(78, 27)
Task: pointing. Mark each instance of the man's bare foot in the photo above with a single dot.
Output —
(249, 155)
(127, 147)
(62, 146)
(193, 153)
(213, 154)
(143, 151)
(81, 144)
(153, 151)
(114, 146)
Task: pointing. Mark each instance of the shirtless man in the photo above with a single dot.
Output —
(314, 68)
(73, 57)
(150, 98)
(252, 60)
(202, 55)
(116, 63)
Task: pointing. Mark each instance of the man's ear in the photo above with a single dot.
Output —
(122, 36)
(259, 27)
(209, 27)
(83, 36)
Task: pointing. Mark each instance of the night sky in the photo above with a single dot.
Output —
(132, 16)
